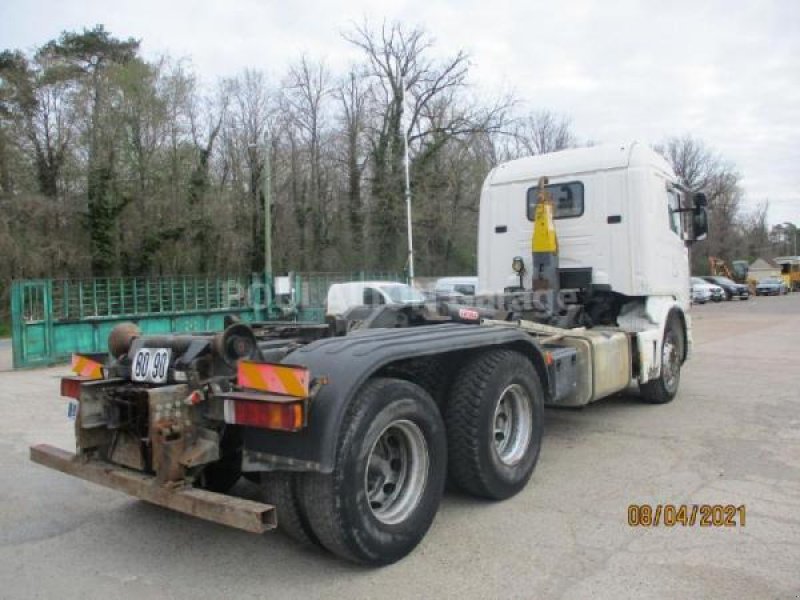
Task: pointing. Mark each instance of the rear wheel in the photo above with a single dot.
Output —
(387, 482)
(664, 389)
(281, 490)
(494, 424)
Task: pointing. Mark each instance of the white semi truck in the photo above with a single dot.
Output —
(351, 428)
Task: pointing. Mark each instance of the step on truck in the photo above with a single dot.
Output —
(351, 427)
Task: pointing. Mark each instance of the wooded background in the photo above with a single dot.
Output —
(111, 164)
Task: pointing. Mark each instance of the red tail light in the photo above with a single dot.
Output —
(71, 386)
(283, 416)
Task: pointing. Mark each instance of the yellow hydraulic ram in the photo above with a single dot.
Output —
(544, 242)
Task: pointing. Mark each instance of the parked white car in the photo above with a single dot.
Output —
(448, 287)
(344, 296)
(702, 291)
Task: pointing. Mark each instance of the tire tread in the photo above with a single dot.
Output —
(319, 492)
(281, 489)
(463, 421)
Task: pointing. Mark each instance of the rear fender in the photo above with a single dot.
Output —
(346, 363)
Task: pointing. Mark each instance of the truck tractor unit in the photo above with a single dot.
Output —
(352, 427)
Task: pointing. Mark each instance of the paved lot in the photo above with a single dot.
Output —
(5, 354)
(731, 437)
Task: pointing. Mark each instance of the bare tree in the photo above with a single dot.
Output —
(121, 165)
(412, 94)
(307, 92)
(353, 97)
(246, 123)
(545, 131)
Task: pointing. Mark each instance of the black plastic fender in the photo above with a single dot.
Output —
(346, 363)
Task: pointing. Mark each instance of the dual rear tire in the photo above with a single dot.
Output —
(386, 484)
(495, 420)
(395, 452)
(388, 478)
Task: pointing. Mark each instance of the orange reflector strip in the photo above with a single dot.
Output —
(276, 379)
(86, 367)
(267, 415)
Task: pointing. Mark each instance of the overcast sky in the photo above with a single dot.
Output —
(725, 71)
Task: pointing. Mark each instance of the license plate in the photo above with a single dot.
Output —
(151, 365)
(72, 410)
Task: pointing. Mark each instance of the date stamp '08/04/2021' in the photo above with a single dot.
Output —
(686, 515)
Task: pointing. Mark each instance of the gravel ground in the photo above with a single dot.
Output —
(732, 436)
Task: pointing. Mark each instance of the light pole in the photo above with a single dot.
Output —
(266, 186)
(791, 229)
(267, 183)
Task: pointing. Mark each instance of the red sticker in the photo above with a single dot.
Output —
(468, 314)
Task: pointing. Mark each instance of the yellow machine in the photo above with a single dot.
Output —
(739, 273)
(790, 271)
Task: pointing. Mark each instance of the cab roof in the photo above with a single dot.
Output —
(579, 160)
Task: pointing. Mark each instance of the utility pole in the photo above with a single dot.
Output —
(408, 181)
(267, 183)
(790, 229)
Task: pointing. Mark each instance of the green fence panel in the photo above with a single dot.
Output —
(31, 326)
(51, 319)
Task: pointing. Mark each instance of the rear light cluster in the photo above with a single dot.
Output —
(86, 368)
(267, 415)
(274, 397)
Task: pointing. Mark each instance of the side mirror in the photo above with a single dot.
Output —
(699, 223)
(700, 199)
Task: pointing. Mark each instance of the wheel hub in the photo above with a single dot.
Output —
(397, 470)
(512, 424)
(669, 363)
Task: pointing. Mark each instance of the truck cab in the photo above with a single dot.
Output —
(623, 223)
(617, 216)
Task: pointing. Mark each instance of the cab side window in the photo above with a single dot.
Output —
(373, 297)
(673, 206)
